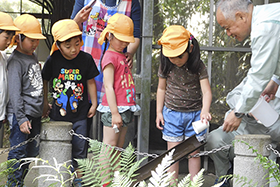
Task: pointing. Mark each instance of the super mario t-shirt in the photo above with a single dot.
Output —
(68, 80)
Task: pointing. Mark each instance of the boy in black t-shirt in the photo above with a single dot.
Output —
(71, 73)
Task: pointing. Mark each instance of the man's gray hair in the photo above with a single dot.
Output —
(230, 7)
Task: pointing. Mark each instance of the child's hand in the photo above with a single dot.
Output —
(91, 111)
(159, 121)
(5, 120)
(129, 59)
(205, 116)
(25, 127)
(46, 110)
(117, 119)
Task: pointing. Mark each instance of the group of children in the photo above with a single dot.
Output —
(70, 72)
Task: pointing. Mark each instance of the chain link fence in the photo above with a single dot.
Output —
(72, 133)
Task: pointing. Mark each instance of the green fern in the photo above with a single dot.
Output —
(128, 158)
(7, 169)
(104, 161)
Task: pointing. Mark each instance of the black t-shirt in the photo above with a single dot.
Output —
(68, 79)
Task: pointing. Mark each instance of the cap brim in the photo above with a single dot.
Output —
(9, 28)
(66, 37)
(35, 36)
(168, 52)
(125, 38)
(55, 48)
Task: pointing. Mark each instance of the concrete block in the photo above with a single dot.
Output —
(257, 141)
(55, 143)
(56, 131)
(245, 164)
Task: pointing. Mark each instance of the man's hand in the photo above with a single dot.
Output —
(270, 90)
(231, 122)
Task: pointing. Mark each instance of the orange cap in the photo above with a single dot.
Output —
(63, 30)
(29, 26)
(6, 22)
(174, 40)
(121, 26)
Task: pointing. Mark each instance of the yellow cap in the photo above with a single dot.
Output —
(6, 22)
(121, 26)
(63, 30)
(29, 26)
(174, 40)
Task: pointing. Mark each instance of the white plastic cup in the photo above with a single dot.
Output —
(199, 126)
(264, 112)
(115, 127)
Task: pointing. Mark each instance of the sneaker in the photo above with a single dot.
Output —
(77, 182)
(225, 184)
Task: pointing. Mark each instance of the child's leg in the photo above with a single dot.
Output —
(113, 139)
(79, 146)
(32, 148)
(121, 138)
(173, 133)
(109, 138)
(194, 165)
(16, 137)
(175, 166)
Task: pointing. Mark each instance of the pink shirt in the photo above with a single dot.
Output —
(123, 81)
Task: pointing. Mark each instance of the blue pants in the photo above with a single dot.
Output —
(24, 151)
(79, 146)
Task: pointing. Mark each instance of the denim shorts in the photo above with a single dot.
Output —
(127, 117)
(178, 125)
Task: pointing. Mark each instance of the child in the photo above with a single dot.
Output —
(7, 31)
(71, 73)
(182, 78)
(25, 88)
(118, 103)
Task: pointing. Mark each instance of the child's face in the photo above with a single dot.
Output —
(179, 60)
(27, 46)
(116, 44)
(70, 49)
(5, 40)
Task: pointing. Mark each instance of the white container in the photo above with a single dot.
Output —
(264, 112)
(199, 126)
(115, 127)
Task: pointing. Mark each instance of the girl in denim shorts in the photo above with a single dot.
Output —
(184, 93)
